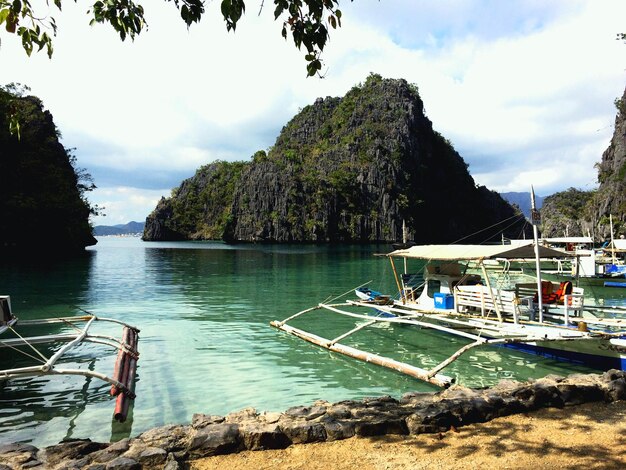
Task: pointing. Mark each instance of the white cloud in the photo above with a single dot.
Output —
(524, 89)
(122, 204)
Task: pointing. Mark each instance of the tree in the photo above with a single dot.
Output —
(308, 21)
(42, 190)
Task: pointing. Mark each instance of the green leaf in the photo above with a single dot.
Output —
(11, 22)
(225, 7)
(278, 11)
(184, 14)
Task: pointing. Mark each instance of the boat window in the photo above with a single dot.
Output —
(434, 286)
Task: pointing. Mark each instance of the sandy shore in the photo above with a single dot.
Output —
(586, 436)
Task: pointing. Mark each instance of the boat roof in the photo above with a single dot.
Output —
(518, 242)
(568, 240)
(477, 252)
(619, 245)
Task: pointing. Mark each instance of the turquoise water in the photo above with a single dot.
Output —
(206, 345)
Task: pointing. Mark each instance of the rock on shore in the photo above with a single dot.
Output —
(415, 413)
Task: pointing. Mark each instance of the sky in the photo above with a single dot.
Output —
(524, 89)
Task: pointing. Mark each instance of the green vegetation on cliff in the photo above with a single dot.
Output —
(200, 208)
(350, 169)
(42, 194)
(564, 213)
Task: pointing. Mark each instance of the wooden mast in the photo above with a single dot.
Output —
(535, 220)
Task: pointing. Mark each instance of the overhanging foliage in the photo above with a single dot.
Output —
(308, 21)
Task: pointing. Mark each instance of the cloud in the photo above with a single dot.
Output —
(120, 202)
(523, 89)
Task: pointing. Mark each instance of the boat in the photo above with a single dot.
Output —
(590, 266)
(49, 361)
(533, 317)
(370, 295)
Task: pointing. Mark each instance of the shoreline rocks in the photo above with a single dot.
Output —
(170, 446)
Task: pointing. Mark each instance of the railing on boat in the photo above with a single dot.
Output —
(518, 304)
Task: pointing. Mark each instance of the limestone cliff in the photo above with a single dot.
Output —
(576, 212)
(200, 208)
(566, 213)
(348, 169)
(611, 195)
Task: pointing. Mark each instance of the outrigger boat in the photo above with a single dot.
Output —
(589, 266)
(123, 380)
(537, 317)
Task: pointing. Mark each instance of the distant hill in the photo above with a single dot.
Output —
(522, 200)
(121, 229)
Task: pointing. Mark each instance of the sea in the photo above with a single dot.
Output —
(206, 345)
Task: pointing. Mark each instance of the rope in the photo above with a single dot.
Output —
(45, 359)
(513, 218)
(347, 292)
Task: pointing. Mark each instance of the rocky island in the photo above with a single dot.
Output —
(350, 169)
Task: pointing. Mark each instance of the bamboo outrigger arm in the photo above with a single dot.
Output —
(40, 371)
(418, 373)
(123, 379)
(433, 375)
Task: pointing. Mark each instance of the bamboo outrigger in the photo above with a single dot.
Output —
(467, 305)
(123, 380)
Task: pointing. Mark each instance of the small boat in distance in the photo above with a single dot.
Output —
(13, 336)
(589, 266)
(368, 295)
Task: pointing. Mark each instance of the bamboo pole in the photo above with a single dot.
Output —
(495, 303)
(535, 219)
(395, 275)
(38, 371)
(64, 349)
(412, 371)
(123, 400)
(47, 321)
(298, 314)
(14, 342)
(411, 321)
(456, 355)
(354, 330)
(118, 370)
(612, 240)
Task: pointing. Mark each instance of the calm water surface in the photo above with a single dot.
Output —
(206, 345)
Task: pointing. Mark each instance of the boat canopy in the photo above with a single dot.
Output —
(477, 252)
(582, 240)
(619, 244)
